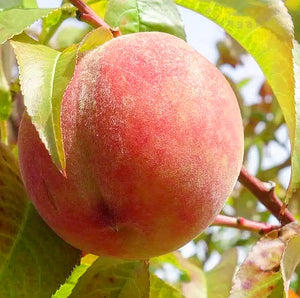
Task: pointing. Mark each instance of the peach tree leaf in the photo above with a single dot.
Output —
(247, 22)
(113, 278)
(44, 75)
(265, 29)
(4, 4)
(66, 289)
(98, 6)
(196, 286)
(267, 269)
(290, 260)
(294, 188)
(160, 289)
(34, 261)
(15, 20)
(142, 15)
(5, 95)
(294, 9)
(222, 275)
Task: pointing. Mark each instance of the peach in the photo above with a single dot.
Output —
(153, 141)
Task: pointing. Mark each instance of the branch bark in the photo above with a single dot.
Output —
(266, 196)
(244, 224)
(85, 13)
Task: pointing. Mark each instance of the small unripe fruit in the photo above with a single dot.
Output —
(153, 141)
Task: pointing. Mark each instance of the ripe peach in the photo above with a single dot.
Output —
(153, 140)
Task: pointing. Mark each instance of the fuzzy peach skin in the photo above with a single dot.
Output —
(153, 140)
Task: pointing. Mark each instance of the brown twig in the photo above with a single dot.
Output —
(266, 196)
(244, 224)
(85, 13)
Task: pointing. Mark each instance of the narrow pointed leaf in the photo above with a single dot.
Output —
(222, 275)
(34, 261)
(113, 278)
(5, 96)
(160, 289)
(142, 15)
(44, 75)
(16, 20)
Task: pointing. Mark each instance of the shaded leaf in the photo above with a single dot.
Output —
(222, 275)
(260, 275)
(14, 21)
(230, 52)
(141, 15)
(28, 267)
(294, 9)
(109, 278)
(160, 289)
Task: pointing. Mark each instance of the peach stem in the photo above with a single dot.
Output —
(85, 13)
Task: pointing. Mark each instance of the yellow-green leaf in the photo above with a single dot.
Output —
(16, 20)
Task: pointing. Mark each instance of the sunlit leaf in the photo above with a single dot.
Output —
(295, 181)
(5, 96)
(34, 261)
(5, 4)
(14, 21)
(142, 15)
(222, 275)
(98, 6)
(196, 286)
(160, 289)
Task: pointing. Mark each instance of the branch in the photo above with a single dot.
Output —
(266, 196)
(244, 224)
(85, 13)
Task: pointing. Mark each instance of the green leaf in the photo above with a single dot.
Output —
(267, 268)
(290, 260)
(66, 289)
(44, 75)
(34, 261)
(160, 289)
(294, 9)
(14, 21)
(4, 4)
(294, 189)
(222, 275)
(5, 96)
(110, 278)
(142, 15)
(196, 286)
